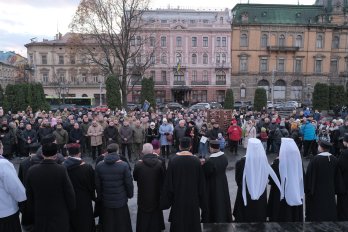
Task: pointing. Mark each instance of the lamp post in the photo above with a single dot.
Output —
(272, 88)
(100, 93)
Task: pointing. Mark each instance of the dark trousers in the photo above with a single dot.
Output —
(233, 146)
(96, 149)
(165, 150)
(129, 150)
(116, 220)
(270, 147)
(309, 146)
(61, 149)
(85, 145)
(10, 223)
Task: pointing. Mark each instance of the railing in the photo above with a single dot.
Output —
(179, 83)
(283, 48)
(199, 82)
(161, 82)
(73, 84)
(220, 82)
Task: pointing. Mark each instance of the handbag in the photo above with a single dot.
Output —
(169, 137)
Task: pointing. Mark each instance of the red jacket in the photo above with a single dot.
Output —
(234, 133)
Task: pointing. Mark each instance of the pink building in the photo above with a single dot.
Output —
(192, 55)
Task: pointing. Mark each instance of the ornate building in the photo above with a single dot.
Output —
(8, 74)
(192, 54)
(287, 49)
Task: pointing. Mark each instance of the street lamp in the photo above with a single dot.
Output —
(272, 88)
(100, 93)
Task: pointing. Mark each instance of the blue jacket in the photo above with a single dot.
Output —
(308, 131)
(114, 182)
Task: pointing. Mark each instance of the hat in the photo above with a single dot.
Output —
(164, 120)
(73, 148)
(152, 124)
(155, 144)
(345, 138)
(325, 144)
(214, 144)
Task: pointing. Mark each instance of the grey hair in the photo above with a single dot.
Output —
(147, 148)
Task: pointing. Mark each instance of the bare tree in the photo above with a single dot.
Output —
(109, 34)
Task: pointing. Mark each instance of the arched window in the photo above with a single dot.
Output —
(84, 95)
(265, 85)
(296, 90)
(205, 75)
(298, 41)
(264, 40)
(336, 42)
(223, 58)
(244, 40)
(164, 59)
(205, 58)
(194, 59)
(281, 40)
(279, 90)
(221, 78)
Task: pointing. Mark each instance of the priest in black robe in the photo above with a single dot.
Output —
(218, 196)
(322, 182)
(184, 190)
(252, 173)
(288, 167)
(342, 199)
(82, 179)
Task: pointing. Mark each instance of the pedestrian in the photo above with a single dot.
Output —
(76, 134)
(114, 185)
(309, 138)
(234, 135)
(51, 196)
(279, 133)
(166, 137)
(82, 178)
(192, 132)
(62, 138)
(8, 139)
(342, 199)
(323, 180)
(28, 136)
(184, 190)
(287, 207)
(203, 142)
(149, 175)
(126, 134)
(250, 132)
(12, 192)
(138, 139)
(152, 133)
(111, 134)
(252, 173)
(95, 132)
(179, 132)
(264, 137)
(219, 204)
(86, 142)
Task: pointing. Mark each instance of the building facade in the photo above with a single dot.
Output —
(63, 70)
(192, 55)
(8, 74)
(287, 49)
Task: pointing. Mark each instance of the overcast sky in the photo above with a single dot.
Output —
(21, 20)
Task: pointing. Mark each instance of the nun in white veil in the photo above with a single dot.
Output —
(287, 205)
(252, 173)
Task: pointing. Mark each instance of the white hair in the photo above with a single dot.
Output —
(147, 148)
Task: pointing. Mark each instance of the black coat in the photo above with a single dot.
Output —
(195, 138)
(151, 134)
(76, 134)
(255, 210)
(82, 179)
(149, 174)
(29, 134)
(342, 199)
(111, 135)
(43, 131)
(8, 139)
(323, 181)
(219, 203)
(51, 196)
(279, 210)
(184, 192)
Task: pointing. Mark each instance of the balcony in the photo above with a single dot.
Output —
(283, 48)
(199, 82)
(220, 82)
(161, 82)
(179, 83)
(72, 85)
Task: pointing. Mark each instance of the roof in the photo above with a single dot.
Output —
(277, 14)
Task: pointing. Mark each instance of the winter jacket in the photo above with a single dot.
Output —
(126, 132)
(308, 131)
(62, 136)
(234, 133)
(163, 130)
(96, 134)
(111, 135)
(43, 131)
(75, 134)
(84, 127)
(29, 134)
(151, 134)
(279, 134)
(114, 182)
(138, 135)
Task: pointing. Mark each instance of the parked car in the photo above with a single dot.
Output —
(206, 105)
(133, 106)
(215, 105)
(69, 107)
(295, 103)
(174, 106)
(196, 107)
(269, 105)
(102, 108)
(285, 107)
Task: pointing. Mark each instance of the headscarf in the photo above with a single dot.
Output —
(291, 172)
(256, 171)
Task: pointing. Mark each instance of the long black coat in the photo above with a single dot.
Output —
(323, 181)
(51, 196)
(219, 203)
(256, 210)
(342, 199)
(82, 178)
(76, 134)
(279, 210)
(184, 192)
(149, 175)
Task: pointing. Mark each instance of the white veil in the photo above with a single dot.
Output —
(291, 172)
(256, 171)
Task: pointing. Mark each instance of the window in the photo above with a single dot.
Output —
(205, 75)
(298, 41)
(223, 41)
(163, 76)
(95, 79)
(72, 59)
(45, 77)
(221, 20)
(163, 41)
(194, 75)
(221, 76)
(318, 66)
(152, 41)
(264, 40)
(244, 40)
(194, 41)
(199, 95)
(178, 58)
(194, 59)
(336, 42)
(218, 58)
(205, 58)
(61, 77)
(152, 59)
(179, 76)
(60, 59)
(205, 21)
(31, 60)
(218, 41)
(334, 66)
(220, 95)
(138, 40)
(243, 64)
(153, 74)
(320, 41)
(281, 40)
(281, 65)
(298, 65)
(264, 64)
(242, 92)
(84, 77)
(43, 59)
(205, 41)
(163, 59)
(132, 42)
(223, 58)
(178, 41)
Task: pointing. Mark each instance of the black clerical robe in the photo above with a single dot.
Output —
(342, 199)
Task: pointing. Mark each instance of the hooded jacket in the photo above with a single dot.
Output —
(114, 182)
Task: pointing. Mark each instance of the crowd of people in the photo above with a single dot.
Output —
(177, 160)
